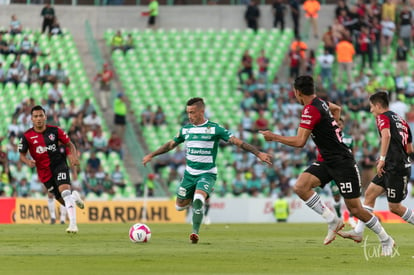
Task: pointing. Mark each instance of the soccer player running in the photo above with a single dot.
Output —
(42, 141)
(201, 138)
(393, 167)
(349, 142)
(336, 162)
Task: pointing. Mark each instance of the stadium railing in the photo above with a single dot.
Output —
(131, 139)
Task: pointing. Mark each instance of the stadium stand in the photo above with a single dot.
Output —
(56, 49)
(165, 68)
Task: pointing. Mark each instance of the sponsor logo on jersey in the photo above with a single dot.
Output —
(199, 151)
(43, 149)
(306, 121)
(35, 142)
(20, 146)
(52, 137)
(182, 191)
(33, 137)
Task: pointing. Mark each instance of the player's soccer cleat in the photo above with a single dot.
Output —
(194, 238)
(52, 221)
(387, 247)
(62, 222)
(351, 234)
(352, 222)
(72, 229)
(333, 229)
(78, 200)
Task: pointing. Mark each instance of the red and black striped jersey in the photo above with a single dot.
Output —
(397, 158)
(326, 133)
(44, 149)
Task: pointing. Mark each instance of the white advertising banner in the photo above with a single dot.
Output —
(260, 210)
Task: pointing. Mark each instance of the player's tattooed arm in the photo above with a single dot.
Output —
(163, 149)
(245, 146)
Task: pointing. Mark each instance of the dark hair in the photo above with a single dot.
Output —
(196, 101)
(304, 84)
(380, 97)
(37, 108)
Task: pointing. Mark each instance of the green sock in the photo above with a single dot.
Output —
(197, 215)
(338, 210)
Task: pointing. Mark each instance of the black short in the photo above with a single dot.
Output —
(345, 174)
(395, 185)
(119, 120)
(60, 176)
(151, 20)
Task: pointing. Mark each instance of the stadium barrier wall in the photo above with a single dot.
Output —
(35, 211)
(260, 210)
(222, 210)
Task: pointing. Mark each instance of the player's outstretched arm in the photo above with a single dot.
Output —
(335, 110)
(295, 141)
(163, 149)
(250, 148)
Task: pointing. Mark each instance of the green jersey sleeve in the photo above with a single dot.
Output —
(223, 133)
(179, 137)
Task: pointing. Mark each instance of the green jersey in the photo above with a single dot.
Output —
(201, 145)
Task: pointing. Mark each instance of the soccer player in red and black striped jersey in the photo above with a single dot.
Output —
(336, 162)
(42, 141)
(393, 167)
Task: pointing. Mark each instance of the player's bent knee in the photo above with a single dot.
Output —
(181, 208)
(200, 197)
(395, 208)
(65, 193)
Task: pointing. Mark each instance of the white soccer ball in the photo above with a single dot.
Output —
(140, 233)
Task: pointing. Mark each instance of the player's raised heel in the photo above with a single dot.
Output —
(351, 234)
(78, 200)
(333, 229)
(194, 238)
(72, 229)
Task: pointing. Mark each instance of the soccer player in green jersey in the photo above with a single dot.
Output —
(201, 138)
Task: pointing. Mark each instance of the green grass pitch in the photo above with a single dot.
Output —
(223, 249)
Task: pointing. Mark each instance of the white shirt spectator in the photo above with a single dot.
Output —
(410, 87)
(388, 28)
(25, 45)
(326, 60)
(399, 107)
(92, 120)
(55, 94)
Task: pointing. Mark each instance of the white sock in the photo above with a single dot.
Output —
(70, 206)
(62, 213)
(408, 216)
(319, 207)
(182, 208)
(376, 226)
(359, 228)
(51, 206)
